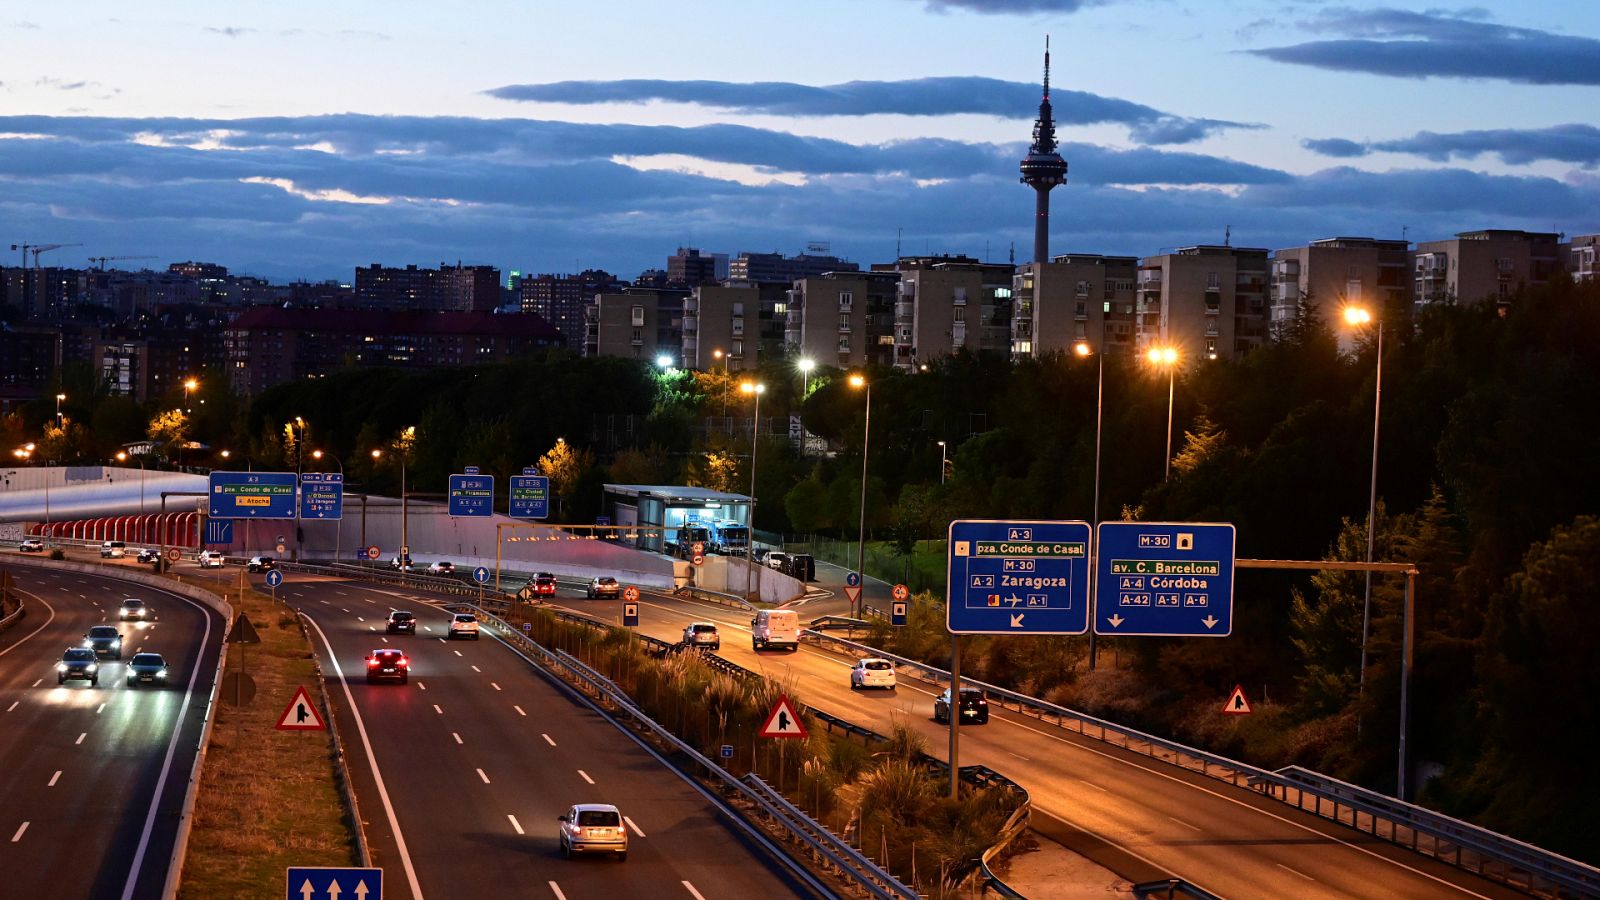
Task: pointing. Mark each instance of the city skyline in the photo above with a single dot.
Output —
(272, 147)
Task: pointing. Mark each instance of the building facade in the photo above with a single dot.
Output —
(1208, 301)
(722, 327)
(1075, 298)
(1334, 271)
(1484, 266)
(780, 269)
(561, 299)
(639, 323)
(1581, 261)
(455, 288)
(843, 319)
(946, 304)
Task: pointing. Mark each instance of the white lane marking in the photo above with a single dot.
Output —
(100, 710)
(360, 619)
(14, 705)
(456, 652)
(697, 895)
(39, 682)
(442, 640)
(386, 640)
(324, 603)
(341, 593)
(297, 594)
(1019, 756)
(347, 610)
(478, 670)
(515, 824)
(1095, 786)
(1295, 871)
(372, 762)
(520, 712)
(421, 686)
(483, 776)
(369, 600)
(547, 738)
(24, 827)
(374, 628)
(437, 709)
(80, 739)
(586, 776)
(1185, 824)
(427, 628)
(456, 736)
(556, 888)
(54, 778)
(495, 686)
(635, 828)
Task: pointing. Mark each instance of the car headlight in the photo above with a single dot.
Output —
(162, 673)
(88, 643)
(61, 667)
(91, 668)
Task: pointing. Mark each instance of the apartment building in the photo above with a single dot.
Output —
(843, 319)
(638, 323)
(950, 303)
(1581, 261)
(448, 288)
(560, 299)
(722, 327)
(1333, 271)
(1208, 301)
(777, 268)
(690, 267)
(1075, 297)
(1484, 266)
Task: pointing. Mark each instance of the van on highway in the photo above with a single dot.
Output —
(775, 629)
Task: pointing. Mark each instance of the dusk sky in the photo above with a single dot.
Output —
(300, 140)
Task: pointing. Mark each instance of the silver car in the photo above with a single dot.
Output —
(593, 828)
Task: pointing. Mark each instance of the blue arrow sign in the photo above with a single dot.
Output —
(274, 578)
(250, 495)
(1164, 578)
(472, 495)
(1018, 577)
(219, 531)
(322, 495)
(308, 883)
(481, 574)
(853, 579)
(530, 497)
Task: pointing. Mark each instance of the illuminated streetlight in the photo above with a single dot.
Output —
(59, 398)
(1082, 349)
(860, 382)
(1167, 357)
(756, 389)
(664, 361)
(122, 456)
(942, 457)
(1361, 317)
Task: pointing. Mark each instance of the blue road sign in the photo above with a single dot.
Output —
(251, 495)
(630, 615)
(469, 470)
(322, 495)
(472, 495)
(274, 578)
(897, 612)
(853, 579)
(481, 574)
(530, 497)
(727, 751)
(219, 531)
(1164, 578)
(1018, 577)
(307, 883)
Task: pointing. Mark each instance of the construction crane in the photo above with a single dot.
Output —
(102, 260)
(37, 249)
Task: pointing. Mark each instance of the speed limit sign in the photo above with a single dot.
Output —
(630, 593)
(699, 548)
(901, 592)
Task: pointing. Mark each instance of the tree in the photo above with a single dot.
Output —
(807, 506)
(564, 465)
(715, 470)
(1203, 443)
(168, 430)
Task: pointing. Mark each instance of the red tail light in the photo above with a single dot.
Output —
(371, 663)
(404, 663)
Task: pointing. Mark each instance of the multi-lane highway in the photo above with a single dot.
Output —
(92, 779)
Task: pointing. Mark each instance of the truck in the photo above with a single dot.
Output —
(681, 543)
(730, 538)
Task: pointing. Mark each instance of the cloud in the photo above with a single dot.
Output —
(1578, 144)
(62, 84)
(1338, 147)
(232, 31)
(25, 25)
(1406, 44)
(1012, 7)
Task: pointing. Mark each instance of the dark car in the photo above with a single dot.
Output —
(387, 664)
(401, 621)
(147, 668)
(544, 584)
(974, 706)
(104, 640)
(79, 662)
(148, 554)
(261, 564)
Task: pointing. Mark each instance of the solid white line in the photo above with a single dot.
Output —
(437, 709)
(547, 738)
(557, 889)
(54, 778)
(80, 739)
(586, 776)
(14, 705)
(693, 891)
(1301, 874)
(483, 776)
(39, 682)
(377, 776)
(24, 827)
(456, 736)
(478, 670)
(515, 824)
(36, 630)
(635, 828)
(1019, 756)
(1185, 824)
(495, 686)
(521, 713)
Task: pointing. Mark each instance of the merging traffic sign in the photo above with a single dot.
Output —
(1018, 577)
(316, 883)
(783, 721)
(530, 496)
(1170, 579)
(301, 714)
(472, 495)
(322, 495)
(250, 495)
(1237, 705)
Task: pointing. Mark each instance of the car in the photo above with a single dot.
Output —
(261, 564)
(593, 828)
(605, 586)
(544, 584)
(147, 668)
(442, 567)
(113, 550)
(400, 565)
(104, 640)
(400, 621)
(872, 673)
(31, 545)
(148, 554)
(79, 663)
(387, 663)
(133, 609)
(777, 559)
(463, 625)
(208, 559)
(775, 629)
(702, 634)
(974, 706)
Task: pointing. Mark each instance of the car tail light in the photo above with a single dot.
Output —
(577, 830)
(404, 662)
(371, 663)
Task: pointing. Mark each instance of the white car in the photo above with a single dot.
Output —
(702, 634)
(113, 550)
(463, 625)
(208, 559)
(872, 673)
(593, 828)
(133, 609)
(442, 567)
(777, 559)
(31, 545)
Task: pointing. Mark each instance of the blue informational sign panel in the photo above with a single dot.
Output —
(307, 883)
(530, 497)
(1171, 579)
(472, 495)
(219, 531)
(630, 615)
(322, 495)
(251, 495)
(852, 579)
(1018, 577)
(897, 612)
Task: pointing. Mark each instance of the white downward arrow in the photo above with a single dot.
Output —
(306, 889)
(1016, 620)
(1210, 621)
(1116, 621)
(333, 890)
(361, 890)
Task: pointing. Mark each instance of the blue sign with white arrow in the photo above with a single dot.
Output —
(481, 574)
(274, 578)
(1172, 579)
(530, 497)
(1018, 577)
(308, 883)
(250, 495)
(853, 579)
(219, 531)
(472, 495)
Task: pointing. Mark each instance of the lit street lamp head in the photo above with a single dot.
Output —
(749, 387)
(1163, 356)
(806, 364)
(858, 381)
(1357, 316)
(664, 361)
(1082, 348)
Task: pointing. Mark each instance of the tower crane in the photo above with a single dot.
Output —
(37, 249)
(102, 260)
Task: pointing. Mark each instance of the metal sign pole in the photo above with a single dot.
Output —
(955, 715)
(1405, 679)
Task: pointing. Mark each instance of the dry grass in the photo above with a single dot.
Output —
(268, 798)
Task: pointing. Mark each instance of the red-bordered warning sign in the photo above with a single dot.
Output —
(1237, 705)
(901, 592)
(852, 593)
(630, 593)
(301, 714)
(783, 722)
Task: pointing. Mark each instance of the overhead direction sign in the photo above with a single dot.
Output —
(250, 495)
(316, 883)
(322, 495)
(530, 496)
(1023, 577)
(1237, 705)
(301, 714)
(472, 495)
(1171, 579)
(783, 721)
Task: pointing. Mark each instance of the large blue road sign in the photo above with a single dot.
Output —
(219, 531)
(307, 883)
(322, 495)
(471, 495)
(530, 497)
(251, 495)
(1164, 578)
(1018, 577)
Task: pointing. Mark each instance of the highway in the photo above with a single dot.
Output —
(94, 777)
(462, 772)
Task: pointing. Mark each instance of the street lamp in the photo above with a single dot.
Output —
(189, 387)
(122, 456)
(299, 426)
(664, 362)
(338, 524)
(1082, 348)
(1167, 357)
(1360, 317)
(756, 389)
(860, 382)
(403, 447)
(59, 398)
(942, 456)
(805, 365)
(719, 357)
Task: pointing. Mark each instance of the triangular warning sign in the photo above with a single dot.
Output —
(243, 632)
(782, 722)
(301, 715)
(852, 593)
(1237, 705)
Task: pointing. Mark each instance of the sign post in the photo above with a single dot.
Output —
(1018, 577)
(1170, 579)
(274, 578)
(481, 576)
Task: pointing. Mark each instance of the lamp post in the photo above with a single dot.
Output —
(1358, 317)
(860, 382)
(402, 448)
(24, 454)
(59, 398)
(299, 426)
(189, 386)
(122, 456)
(1082, 348)
(756, 389)
(1167, 357)
(338, 524)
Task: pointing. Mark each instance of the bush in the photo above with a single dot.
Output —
(58, 553)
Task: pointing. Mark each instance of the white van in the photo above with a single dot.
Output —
(773, 629)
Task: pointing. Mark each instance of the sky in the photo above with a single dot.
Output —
(301, 140)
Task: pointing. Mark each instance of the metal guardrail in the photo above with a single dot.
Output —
(16, 616)
(835, 849)
(1464, 845)
(1171, 888)
(719, 597)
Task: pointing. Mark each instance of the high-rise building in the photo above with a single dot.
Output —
(639, 323)
(455, 288)
(561, 299)
(721, 327)
(689, 267)
(1210, 302)
(775, 267)
(1076, 297)
(1043, 169)
(1484, 266)
(1339, 270)
(950, 303)
(843, 319)
(470, 288)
